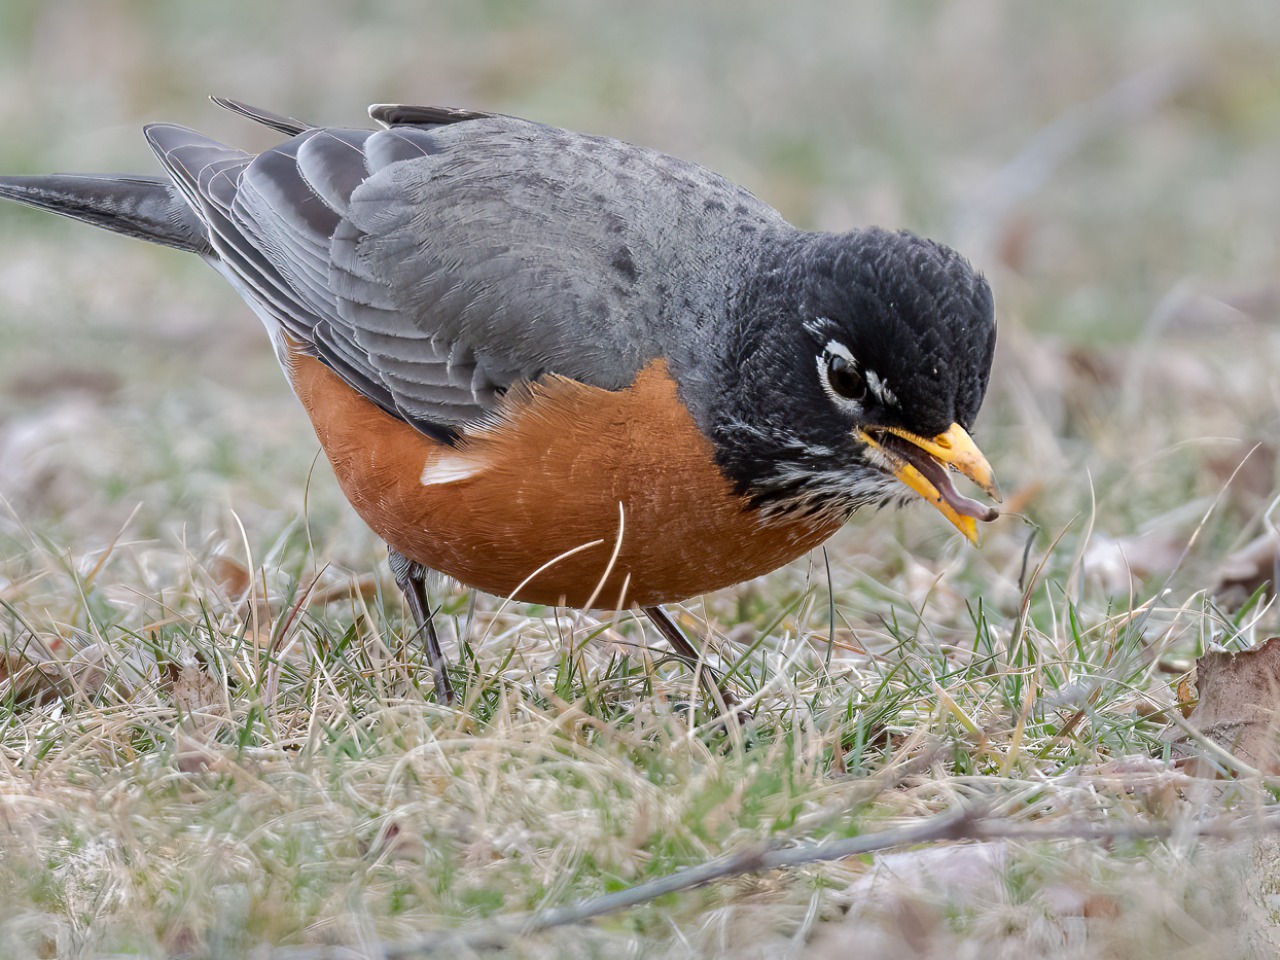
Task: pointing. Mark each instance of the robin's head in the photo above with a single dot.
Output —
(863, 362)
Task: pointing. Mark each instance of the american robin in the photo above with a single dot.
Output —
(570, 370)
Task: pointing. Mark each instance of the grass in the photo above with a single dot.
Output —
(194, 775)
(189, 771)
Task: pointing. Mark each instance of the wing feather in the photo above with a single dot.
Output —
(438, 263)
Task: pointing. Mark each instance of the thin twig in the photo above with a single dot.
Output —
(953, 825)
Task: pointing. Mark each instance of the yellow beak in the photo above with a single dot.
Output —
(922, 464)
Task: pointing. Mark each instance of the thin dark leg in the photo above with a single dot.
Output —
(410, 578)
(687, 652)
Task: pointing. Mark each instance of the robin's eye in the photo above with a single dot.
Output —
(844, 378)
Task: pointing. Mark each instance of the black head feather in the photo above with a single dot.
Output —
(916, 323)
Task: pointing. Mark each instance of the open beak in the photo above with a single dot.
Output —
(923, 464)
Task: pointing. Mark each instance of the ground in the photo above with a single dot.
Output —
(216, 733)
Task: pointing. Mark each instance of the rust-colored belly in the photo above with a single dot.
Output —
(576, 496)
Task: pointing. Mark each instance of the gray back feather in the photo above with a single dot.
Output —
(436, 264)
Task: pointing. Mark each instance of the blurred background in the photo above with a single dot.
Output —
(1114, 169)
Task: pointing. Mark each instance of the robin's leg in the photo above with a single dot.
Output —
(410, 578)
(686, 652)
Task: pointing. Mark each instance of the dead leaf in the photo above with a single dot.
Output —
(25, 681)
(365, 586)
(200, 699)
(895, 909)
(1252, 566)
(1186, 698)
(231, 576)
(1247, 469)
(1101, 905)
(1115, 562)
(202, 709)
(41, 383)
(1239, 694)
(1261, 302)
(236, 583)
(38, 674)
(1213, 313)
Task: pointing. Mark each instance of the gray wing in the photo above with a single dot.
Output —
(438, 262)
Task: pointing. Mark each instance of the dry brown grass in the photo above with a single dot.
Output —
(184, 772)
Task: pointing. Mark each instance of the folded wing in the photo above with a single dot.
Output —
(439, 262)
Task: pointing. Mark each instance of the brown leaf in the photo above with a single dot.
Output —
(236, 583)
(365, 586)
(1252, 566)
(1186, 697)
(895, 908)
(38, 674)
(45, 382)
(1249, 466)
(200, 699)
(231, 576)
(1214, 313)
(1101, 905)
(25, 681)
(1116, 563)
(1239, 694)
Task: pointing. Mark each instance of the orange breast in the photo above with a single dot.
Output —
(575, 495)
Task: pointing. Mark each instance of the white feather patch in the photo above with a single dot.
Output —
(449, 468)
(881, 389)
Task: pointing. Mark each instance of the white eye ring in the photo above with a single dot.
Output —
(837, 350)
(873, 384)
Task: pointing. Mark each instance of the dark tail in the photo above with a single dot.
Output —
(149, 208)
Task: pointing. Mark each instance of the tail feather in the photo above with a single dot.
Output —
(289, 126)
(149, 208)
